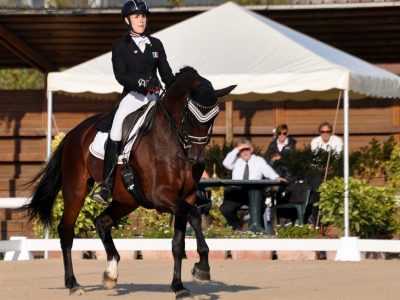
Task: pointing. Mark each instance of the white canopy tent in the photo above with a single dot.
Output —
(231, 45)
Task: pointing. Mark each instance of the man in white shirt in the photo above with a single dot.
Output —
(247, 166)
(326, 140)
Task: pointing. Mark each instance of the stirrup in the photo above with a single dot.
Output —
(101, 193)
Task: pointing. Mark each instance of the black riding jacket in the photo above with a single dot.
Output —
(130, 64)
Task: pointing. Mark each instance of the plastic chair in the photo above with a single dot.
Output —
(296, 195)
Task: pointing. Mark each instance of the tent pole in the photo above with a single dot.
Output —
(48, 146)
(346, 162)
(229, 121)
(49, 124)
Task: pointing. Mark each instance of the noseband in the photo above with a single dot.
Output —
(193, 108)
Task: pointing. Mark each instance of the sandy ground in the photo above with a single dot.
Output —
(140, 279)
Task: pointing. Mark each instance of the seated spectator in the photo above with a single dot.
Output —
(280, 147)
(326, 141)
(244, 165)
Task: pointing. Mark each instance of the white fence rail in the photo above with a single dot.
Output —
(190, 244)
(13, 202)
(349, 248)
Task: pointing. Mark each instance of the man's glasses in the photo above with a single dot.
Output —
(324, 131)
(282, 133)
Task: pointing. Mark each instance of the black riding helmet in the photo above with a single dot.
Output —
(134, 6)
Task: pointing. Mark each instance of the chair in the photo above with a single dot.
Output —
(295, 196)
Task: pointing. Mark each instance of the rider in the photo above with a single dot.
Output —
(136, 57)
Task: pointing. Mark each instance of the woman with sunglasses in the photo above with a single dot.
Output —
(326, 141)
(279, 148)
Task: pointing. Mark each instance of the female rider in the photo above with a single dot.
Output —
(136, 57)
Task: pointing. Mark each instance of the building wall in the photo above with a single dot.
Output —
(23, 131)
(23, 126)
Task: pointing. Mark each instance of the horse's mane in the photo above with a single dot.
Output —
(186, 70)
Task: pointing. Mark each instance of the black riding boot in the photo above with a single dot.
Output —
(110, 160)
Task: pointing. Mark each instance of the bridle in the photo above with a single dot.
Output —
(192, 108)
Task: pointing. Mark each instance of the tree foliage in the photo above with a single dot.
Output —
(20, 79)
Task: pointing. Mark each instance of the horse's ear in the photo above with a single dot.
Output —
(224, 91)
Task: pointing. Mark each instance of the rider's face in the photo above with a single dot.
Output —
(138, 22)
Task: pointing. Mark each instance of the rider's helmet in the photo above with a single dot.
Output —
(134, 6)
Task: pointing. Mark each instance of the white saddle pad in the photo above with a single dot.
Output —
(97, 147)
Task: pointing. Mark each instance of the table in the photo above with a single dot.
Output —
(255, 188)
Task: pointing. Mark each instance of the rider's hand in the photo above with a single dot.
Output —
(150, 85)
(153, 86)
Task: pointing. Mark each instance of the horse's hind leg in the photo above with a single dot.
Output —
(104, 223)
(201, 270)
(73, 203)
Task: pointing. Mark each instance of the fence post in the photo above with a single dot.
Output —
(21, 254)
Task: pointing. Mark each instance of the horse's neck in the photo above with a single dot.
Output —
(175, 106)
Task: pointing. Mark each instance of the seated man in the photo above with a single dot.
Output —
(244, 165)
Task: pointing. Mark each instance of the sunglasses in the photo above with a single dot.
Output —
(245, 149)
(282, 133)
(325, 131)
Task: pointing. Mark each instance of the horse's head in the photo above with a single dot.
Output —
(194, 116)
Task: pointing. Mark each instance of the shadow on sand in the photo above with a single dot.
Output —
(199, 291)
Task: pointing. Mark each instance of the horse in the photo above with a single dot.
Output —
(168, 163)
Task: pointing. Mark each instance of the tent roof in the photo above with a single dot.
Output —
(231, 45)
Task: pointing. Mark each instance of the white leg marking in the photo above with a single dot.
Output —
(112, 269)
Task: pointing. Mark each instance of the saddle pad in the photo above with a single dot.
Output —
(97, 147)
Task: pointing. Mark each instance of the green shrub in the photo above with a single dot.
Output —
(215, 154)
(19, 79)
(369, 161)
(290, 231)
(372, 210)
(305, 163)
(152, 224)
(392, 168)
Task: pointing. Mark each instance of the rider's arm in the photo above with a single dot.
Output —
(127, 79)
(164, 68)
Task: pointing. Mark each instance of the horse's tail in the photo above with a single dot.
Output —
(46, 190)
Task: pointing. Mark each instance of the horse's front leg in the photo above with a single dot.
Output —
(201, 270)
(178, 251)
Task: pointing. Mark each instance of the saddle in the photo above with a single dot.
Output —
(130, 143)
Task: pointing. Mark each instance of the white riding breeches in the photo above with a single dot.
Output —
(130, 103)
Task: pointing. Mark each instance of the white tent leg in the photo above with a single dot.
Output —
(348, 248)
(346, 162)
(49, 124)
(48, 148)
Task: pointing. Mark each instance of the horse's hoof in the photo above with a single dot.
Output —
(183, 294)
(77, 291)
(108, 282)
(200, 276)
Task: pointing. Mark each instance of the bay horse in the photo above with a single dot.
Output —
(168, 163)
